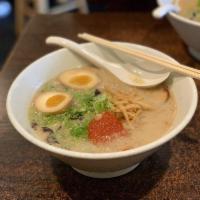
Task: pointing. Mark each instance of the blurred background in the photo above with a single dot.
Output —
(15, 14)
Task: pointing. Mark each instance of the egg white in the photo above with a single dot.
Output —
(66, 76)
(41, 102)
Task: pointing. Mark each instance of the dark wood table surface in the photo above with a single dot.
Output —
(27, 172)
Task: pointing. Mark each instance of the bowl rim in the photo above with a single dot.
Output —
(107, 155)
(179, 17)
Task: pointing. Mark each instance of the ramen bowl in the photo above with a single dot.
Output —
(97, 165)
(187, 29)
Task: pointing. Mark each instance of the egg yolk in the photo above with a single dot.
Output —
(80, 80)
(55, 100)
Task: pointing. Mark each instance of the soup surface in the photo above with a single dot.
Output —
(190, 9)
(90, 110)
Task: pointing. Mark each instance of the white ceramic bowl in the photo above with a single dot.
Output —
(187, 29)
(100, 165)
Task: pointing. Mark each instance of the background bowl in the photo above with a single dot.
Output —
(101, 165)
(187, 29)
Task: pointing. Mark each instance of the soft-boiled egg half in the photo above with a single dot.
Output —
(52, 102)
(79, 79)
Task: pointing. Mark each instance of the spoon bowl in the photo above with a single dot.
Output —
(131, 71)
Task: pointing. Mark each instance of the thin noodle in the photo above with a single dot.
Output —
(128, 106)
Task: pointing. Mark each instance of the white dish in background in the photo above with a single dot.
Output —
(187, 29)
(100, 165)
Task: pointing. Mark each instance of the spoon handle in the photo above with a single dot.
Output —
(73, 46)
(161, 11)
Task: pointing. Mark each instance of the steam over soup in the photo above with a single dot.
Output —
(90, 110)
(190, 9)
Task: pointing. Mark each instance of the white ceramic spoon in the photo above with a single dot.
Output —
(163, 10)
(124, 74)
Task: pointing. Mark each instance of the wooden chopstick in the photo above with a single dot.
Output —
(182, 69)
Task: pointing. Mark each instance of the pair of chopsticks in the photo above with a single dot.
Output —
(182, 69)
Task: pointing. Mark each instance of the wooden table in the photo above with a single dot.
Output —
(27, 172)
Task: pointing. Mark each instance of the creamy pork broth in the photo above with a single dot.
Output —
(76, 130)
